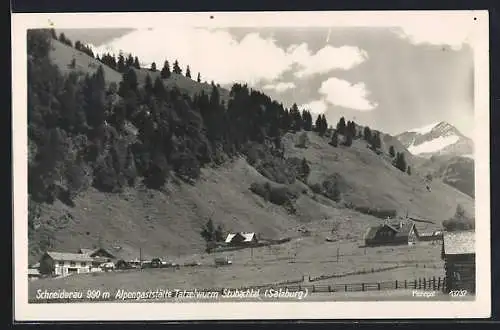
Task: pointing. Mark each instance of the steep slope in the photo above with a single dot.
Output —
(62, 55)
(372, 180)
(168, 223)
(436, 139)
(456, 171)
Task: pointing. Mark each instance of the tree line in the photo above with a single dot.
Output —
(84, 133)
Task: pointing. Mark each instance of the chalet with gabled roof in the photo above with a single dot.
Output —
(391, 234)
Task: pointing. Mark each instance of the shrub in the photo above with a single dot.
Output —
(303, 141)
(279, 195)
(376, 212)
(459, 221)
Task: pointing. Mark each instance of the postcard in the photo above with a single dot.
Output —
(251, 165)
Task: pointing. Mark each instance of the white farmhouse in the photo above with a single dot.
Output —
(62, 264)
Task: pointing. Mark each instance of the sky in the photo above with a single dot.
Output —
(390, 78)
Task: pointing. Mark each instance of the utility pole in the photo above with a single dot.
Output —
(140, 257)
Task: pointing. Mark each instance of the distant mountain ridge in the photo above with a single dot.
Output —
(444, 153)
(439, 138)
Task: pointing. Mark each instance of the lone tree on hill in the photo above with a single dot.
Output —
(165, 71)
(188, 72)
(392, 152)
(153, 67)
(198, 79)
(208, 231)
(177, 69)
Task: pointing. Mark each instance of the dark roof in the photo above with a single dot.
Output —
(372, 232)
(459, 242)
(405, 230)
(86, 251)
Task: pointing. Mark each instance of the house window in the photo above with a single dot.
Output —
(61, 263)
(84, 264)
(72, 264)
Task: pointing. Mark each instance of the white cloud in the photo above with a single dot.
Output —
(218, 56)
(452, 31)
(326, 59)
(343, 93)
(280, 87)
(315, 107)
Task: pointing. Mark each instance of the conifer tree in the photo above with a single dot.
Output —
(341, 126)
(53, 34)
(198, 79)
(348, 139)
(188, 72)
(121, 63)
(165, 71)
(367, 133)
(177, 69)
(130, 61)
(137, 65)
(153, 67)
(318, 123)
(335, 139)
(159, 88)
(392, 152)
(148, 86)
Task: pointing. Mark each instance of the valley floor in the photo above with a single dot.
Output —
(301, 262)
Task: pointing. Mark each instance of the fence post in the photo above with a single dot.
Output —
(345, 287)
(396, 284)
(439, 283)
(415, 284)
(313, 288)
(425, 283)
(378, 286)
(434, 283)
(329, 289)
(406, 285)
(362, 286)
(419, 283)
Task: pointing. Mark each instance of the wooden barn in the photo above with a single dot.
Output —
(391, 234)
(459, 255)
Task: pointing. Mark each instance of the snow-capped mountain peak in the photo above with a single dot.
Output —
(439, 138)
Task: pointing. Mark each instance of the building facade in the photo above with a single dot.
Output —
(459, 256)
(62, 264)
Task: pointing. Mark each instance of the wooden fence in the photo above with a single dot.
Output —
(433, 283)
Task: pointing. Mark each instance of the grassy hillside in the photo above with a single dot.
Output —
(167, 221)
(62, 55)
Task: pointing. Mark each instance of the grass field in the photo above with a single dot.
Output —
(302, 257)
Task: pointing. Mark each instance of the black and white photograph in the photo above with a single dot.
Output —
(251, 165)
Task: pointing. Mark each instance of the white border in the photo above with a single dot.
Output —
(210, 311)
